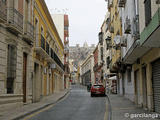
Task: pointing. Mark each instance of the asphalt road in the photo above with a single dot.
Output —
(77, 106)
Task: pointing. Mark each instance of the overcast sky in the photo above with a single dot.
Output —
(85, 18)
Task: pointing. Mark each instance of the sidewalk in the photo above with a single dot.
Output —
(17, 113)
(124, 109)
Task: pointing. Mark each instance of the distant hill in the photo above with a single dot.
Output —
(79, 54)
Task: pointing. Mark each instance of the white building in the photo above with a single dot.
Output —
(59, 23)
(129, 15)
(87, 73)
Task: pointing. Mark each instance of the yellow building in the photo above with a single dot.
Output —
(116, 31)
(48, 54)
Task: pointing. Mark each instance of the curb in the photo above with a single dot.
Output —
(42, 107)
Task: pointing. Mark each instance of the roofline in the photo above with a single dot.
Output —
(45, 8)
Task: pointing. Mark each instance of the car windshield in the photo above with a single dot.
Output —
(98, 86)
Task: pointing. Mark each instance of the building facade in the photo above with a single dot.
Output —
(87, 73)
(147, 67)
(116, 31)
(109, 79)
(135, 30)
(16, 33)
(129, 38)
(48, 54)
(62, 24)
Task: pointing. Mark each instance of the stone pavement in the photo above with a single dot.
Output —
(20, 112)
(124, 109)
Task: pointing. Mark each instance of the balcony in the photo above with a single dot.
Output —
(100, 35)
(149, 37)
(135, 51)
(121, 3)
(113, 67)
(3, 11)
(28, 33)
(127, 26)
(47, 48)
(15, 21)
(42, 42)
(123, 41)
(42, 51)
(58, 61)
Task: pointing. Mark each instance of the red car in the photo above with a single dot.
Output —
(97, 90)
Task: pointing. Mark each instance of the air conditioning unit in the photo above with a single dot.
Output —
(53, 66)
(127, 26)
(123, 41)
(135, 28)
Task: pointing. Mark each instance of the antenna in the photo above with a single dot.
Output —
(59, 11)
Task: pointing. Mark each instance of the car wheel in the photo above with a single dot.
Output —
(92, 95)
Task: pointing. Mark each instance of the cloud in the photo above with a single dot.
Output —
(85, 17)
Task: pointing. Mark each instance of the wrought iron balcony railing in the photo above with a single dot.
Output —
(42, 42)
(58, 61)
(47, 48)
(15, 19)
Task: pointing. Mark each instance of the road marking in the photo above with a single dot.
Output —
(44, 109)
(127, 108)
(106, 112)
(36, 113)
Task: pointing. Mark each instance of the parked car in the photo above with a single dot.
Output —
(97, 90)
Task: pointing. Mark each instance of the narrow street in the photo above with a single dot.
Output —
(56, 55)
(78, 105)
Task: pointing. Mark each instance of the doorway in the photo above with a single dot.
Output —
(24, 76)
(137, 87)
(144, 86)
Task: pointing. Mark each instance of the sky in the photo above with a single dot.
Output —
(85, 18)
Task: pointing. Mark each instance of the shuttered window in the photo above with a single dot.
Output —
(156, 85)
(147, 4)
(11, 67)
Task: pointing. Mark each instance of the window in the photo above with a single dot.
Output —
(11, 67)
(108, 61)
(101, 53)
(42, 32)
(66, 28)
(36, 32)
(147, 5)
(129, 75)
